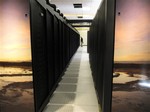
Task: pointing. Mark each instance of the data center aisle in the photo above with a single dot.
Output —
(75, 92)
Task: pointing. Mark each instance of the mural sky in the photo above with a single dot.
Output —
(132, 30)
(14, 31)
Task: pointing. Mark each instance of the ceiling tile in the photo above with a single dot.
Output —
(88, 10)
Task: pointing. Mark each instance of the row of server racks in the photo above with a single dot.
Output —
(119, 51)
(100, 49)
(36, 46)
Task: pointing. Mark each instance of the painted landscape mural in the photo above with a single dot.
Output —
(16, 85)
(131, 77)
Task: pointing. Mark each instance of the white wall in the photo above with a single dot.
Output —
(83, 33)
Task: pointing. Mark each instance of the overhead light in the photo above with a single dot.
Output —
(77, 5)
(86, 8)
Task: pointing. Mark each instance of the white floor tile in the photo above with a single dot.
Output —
(75, 92)
(86, 109)
(62, 98)
(86, 99)
(86, 88)
(58, 108)
(85, 80)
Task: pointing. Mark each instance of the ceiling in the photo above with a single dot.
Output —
(88, 10)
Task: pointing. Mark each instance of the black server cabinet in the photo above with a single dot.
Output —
(68, 44)
(24, 62)
(71, 40)
(60, 47)
(50, 49)
(66, 47)
(101, 49)
(88, 41)
(34, 52)
(56, 48)
(63, 46)
(39, 53)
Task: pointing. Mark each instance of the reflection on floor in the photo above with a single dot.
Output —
(75, 92)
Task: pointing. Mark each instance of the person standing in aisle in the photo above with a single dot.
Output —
(81, 41)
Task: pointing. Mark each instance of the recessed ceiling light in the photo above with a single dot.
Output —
(77, 5)
(86, 8)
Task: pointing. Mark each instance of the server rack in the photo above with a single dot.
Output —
(100, 47)
(39, 53)
(50, 49)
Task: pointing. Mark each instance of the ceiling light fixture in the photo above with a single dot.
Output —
(77, 5)
(86, 8)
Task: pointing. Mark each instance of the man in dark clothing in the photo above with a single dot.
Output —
(81, 41)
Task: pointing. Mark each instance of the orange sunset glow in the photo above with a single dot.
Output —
(132, 34)
(14, 32)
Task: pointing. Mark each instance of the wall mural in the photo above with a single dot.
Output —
(16, 85)
(131, 78)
